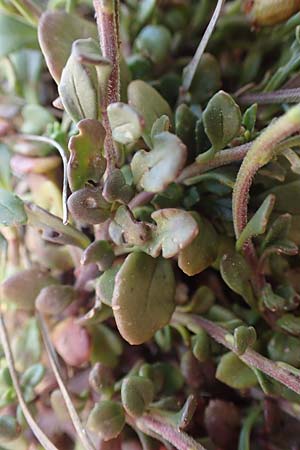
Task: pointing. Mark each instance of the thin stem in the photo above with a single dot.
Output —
(39, 434)
(82, 434)
(190, 69)
(268, 98)
(62, 152)
(222, 158)
(156, 426)
(261, 152)
(107, 15)
(250, 357)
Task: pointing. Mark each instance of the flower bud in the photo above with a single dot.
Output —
(270, 12)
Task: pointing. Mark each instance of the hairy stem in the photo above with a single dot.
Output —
(156, 426)
(250, 357)
(221, 158)
(107, 15)
(268, 98)
(261, 152)
(39, 434)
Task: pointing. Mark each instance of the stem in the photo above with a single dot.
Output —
(267, 98)
(83, 436)
(222, 158)
(107, 15)
(61, 150)
(39, 434)
(261, 152)
(156, 426)
(190, 69)
(250, 357)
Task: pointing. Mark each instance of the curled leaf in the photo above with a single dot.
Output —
(99, 252)
(175, 230)
(153, 171)
(86, 163)
(126, 123)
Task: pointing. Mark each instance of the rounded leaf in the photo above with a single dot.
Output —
(126, 123)
(9, 429)
(54, 299)
(72, 342)
(106, 419)
(23, 287)
(143, 298)
(137, 393)
(154, 42)
(222, 120)
(87, 206)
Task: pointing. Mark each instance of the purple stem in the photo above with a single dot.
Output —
(250, 357)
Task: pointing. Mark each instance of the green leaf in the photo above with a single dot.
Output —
(86, 163)
(249, 118)
(12, 211)
(106, 419)
(175, 230)
(236, 374)
(143, 298)
(185, 125)
(99, 252)
(15, 34)
(201, 345)
(36, 119)
(126, 124)
(248, 423)
(243, 338)
(202, 251)
(78, 91)
(27, 345)
(290, 324)
(160, 125)
(154, 42)
(153, 171)
(285, 348)
(9, 429)
(148, 103)
(33, 375)
(222, 120)
(137, 393)
(258, 223)
(236, 274)
(5, 171)
(106, 346)
(207, 79)
(105, 285)
(57, 32)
